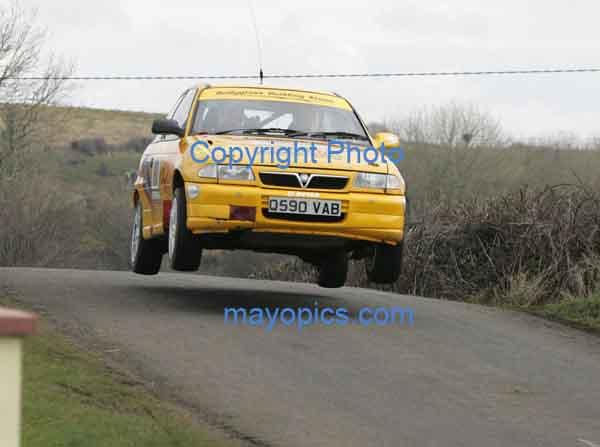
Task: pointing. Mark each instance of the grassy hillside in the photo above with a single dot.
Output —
(115, 126)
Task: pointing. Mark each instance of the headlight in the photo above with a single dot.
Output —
(390, 183)
(235, 172)
(368, 180)
(226, 172)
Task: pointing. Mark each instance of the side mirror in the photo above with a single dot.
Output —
(165, 126)
(389, 140)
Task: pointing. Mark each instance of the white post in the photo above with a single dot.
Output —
(13, 326)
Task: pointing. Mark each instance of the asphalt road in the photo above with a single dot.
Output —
(463, 375)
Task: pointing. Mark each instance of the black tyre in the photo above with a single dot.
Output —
(384, 263)
(145, 254)
(185, 252)
(333, 270)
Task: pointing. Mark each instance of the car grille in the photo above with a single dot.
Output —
(294, 180)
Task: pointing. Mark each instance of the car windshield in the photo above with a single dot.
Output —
(288, 118)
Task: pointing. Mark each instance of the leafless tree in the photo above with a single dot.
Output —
(36, 221)
(24, 117)
(451, 125)
(454, 136)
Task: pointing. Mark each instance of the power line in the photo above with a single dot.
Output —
(310, 75)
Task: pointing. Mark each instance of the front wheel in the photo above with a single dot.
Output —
(145, 254)
(333, 270)
(185, 252)
(384, 263)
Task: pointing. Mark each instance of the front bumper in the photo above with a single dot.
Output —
(366, 216)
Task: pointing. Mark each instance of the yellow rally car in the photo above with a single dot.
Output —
(271, 170)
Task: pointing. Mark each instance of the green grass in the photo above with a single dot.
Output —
(72, 399)
(581, 312)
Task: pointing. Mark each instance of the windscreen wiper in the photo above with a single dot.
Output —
(261, 131)
(339, 134)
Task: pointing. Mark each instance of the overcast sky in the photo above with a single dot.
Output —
(135, 37)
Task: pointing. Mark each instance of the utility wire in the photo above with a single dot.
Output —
(311, 75)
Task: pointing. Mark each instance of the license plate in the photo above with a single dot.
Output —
(315, 207)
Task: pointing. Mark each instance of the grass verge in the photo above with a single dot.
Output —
(71, 398)
(583, 313)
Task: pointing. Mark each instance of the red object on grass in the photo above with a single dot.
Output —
(16, 323)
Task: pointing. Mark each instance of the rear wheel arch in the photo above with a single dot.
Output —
(135, 198)
(177, 181)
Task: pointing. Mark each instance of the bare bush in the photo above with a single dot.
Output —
(90, 146)
(288, 270)
(137, 144)
(99, 146)
(105, 231)
(488, 248)
(40, 222)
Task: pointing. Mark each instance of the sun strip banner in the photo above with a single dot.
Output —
(264, 94)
